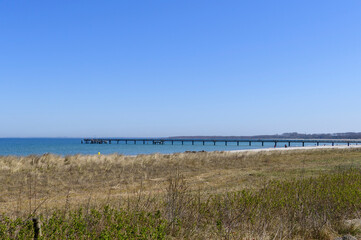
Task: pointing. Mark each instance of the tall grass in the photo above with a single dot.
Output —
(274, 195)
(312, 208)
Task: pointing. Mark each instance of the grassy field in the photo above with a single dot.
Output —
(300, 194)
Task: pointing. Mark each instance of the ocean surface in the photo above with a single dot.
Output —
(70, 146)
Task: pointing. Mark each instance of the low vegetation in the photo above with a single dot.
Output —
(267, 195)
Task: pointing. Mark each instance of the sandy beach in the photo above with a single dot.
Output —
(295, 148)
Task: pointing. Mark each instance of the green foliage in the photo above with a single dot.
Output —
(282, 209)
(108, 223)
(296, 207)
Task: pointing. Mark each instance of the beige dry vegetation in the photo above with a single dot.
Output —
(56, 182)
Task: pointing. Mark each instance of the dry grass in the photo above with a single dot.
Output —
(74, 180)
(300, 194)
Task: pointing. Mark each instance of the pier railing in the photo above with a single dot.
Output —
(214, 141)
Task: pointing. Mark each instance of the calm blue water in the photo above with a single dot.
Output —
(68, 146)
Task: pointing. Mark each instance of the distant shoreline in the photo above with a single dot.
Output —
(295, 148)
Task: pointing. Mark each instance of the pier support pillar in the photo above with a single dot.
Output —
(250, 143)
(182, 142)
(348, 144)
(126, 141)
(203, 142)
(192, 142)
(143, 141)
(289, 144)
(303, 144)
(214, 143)
(135, 141)
(237, 143)
(333, 144)
(262, 144)
(172, 142)
(225, 142)
(318, 144)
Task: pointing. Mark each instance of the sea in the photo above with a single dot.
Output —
(71, 146)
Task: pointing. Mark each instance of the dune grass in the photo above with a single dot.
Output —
(266, 195)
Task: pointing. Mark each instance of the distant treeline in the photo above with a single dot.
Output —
(293, 135)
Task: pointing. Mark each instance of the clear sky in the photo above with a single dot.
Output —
(163, 68)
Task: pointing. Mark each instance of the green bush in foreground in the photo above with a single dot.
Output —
(105, 224)
(312, 208)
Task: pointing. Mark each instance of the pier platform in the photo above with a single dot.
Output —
(215, 141)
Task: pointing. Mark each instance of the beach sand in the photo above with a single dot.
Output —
(295, 148)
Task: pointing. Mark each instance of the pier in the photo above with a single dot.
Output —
(181, 141)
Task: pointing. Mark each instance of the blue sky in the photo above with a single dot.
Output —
(166, 68)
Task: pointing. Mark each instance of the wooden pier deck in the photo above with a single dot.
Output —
(214, 141)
